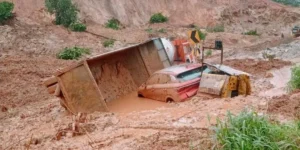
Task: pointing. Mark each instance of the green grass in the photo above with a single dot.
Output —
(6, 9)
(149, 30)
(208, 53)
(294, 83)
(252, 32)
(162, 30)
(158, 18)
(295, 3)
(78, 27)
(109, 43)
(72, 53)
(217, 28)
(249, 131)
(113, 24)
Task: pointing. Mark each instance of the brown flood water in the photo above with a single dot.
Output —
(132, 102)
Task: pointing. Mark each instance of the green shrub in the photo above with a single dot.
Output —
(252, 32)
(113, 24)
(109, 43)
(217, 28)
(208, 53)
(158, 18)
(6, 9)
(295, 3)
(162, 30)
(79, 27)
(249, 131)
(65, 11)
(294, 83)
(72, 53)
(149, 30)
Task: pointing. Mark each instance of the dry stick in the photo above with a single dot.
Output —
(28, 146)
(12, 145)
(99, 35)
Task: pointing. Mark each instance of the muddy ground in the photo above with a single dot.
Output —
(30, 118)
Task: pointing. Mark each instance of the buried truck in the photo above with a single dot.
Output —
(88, 85)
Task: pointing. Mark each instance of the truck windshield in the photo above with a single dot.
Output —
(192, 74)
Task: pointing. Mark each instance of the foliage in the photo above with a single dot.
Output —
(149, 30)
(109, 43)
(252, 32)
(294, 83)
(270, 57)
(208, 53)
(217, 28)
(113, 24)
(72, 53)
(65, 13)
(6, 9)
(158, 18)
(162, 30)
(79, 27)
(295, 3)
(249, 131)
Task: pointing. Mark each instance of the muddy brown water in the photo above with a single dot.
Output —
(279, 81)
(131, 102)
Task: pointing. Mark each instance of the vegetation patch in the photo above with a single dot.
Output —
(208, 53)
(252, 32)
(248, 131)
(158, 18)
(113, 24)
(162, 30)
(65, 14)
(295, 3)
(72, 53)
(109, 43)
(149, 30)
(217, 28)
(294, 83)
(6, 9)
(78, 27)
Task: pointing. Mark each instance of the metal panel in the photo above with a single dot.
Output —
(81, 91)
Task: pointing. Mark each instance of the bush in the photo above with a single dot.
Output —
(109, 43)
(149, 30)
(65, 11)
(294, 83)
(79, 27)
(72, 53)
(249, 131)
(113, 24)
(208, 53)
(6, 9)
(295, 3)
(252, 32)
(162, 30)
(158, 18)
(217, 28)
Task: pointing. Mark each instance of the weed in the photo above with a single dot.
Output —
(217, 28)
(72, 53)
(158, 18)
(270, 57)
(79, 27)
(294, 83)
(295, 3)
(113, 24)
(208, 53)
(248, 131)
(201, 34)
(162, 30)
(149, 30)
(6, 9)
(109, 43)
(251, 32)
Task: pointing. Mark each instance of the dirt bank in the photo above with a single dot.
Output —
(256, 67)
(286, 105)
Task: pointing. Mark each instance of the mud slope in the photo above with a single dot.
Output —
(183, 12)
